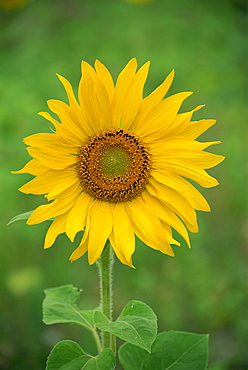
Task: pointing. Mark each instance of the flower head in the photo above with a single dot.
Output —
(116, 164)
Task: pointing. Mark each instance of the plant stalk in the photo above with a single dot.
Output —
(105, 266)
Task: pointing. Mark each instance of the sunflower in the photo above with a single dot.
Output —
(116, 165)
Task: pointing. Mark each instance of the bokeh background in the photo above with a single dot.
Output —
(202, 290)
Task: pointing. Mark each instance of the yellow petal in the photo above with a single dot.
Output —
(83, 246)
(52, 157)
(133, 97)
(196, 128)
(161, 116)
(94, 96)
(105, 77)
(148, 227)
(180, 123)
(86, 91)
(87, 68)
(123, 81)
(188, 170)
(165, 214)
(193, 228)
(102, 105)
(50, 140)
(123, 231)
(46, 181)
(89, 102)
(177, 145)
(33, 167)
(41, 139)
(153, 99)
(72, 127)
(48, 116)
(77, 215)
(191, 151)
(57, 227)
(173, 198)
(64, 132)
(69, 91)
(74, 112)
(184, 187)
(81, 250)
(166, 235)
(178, 211)
(54, 209)
(203, 160)
(118, 253)
(101, 221)
(65, 190)
(157, 95)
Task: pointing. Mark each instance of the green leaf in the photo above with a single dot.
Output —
(22, 216)
(171, 350)
(137, 324)
(104, 361)
(59, 307)
(68, 355)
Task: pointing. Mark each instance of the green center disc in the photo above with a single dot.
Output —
(115, 162)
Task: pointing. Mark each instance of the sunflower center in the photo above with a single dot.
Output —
(113, 166)
(115, 162)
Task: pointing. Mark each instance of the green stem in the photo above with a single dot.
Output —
(105, 265)
(97, 340)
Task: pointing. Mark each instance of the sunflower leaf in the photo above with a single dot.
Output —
(21, 216)
(104, 361)
(59, 307)
(137, 324)
(68, 355)
(171, 350)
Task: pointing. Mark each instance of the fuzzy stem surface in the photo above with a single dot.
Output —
(105, 266)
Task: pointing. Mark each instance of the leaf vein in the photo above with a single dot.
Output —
(72, 308)
(183, 354)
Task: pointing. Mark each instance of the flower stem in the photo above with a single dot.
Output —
(105, 265)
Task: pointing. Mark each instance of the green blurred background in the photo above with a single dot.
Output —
(202, 290)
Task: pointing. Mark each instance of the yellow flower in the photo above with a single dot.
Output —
(116, 163)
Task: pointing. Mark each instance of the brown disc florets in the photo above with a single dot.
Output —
(113, 166)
